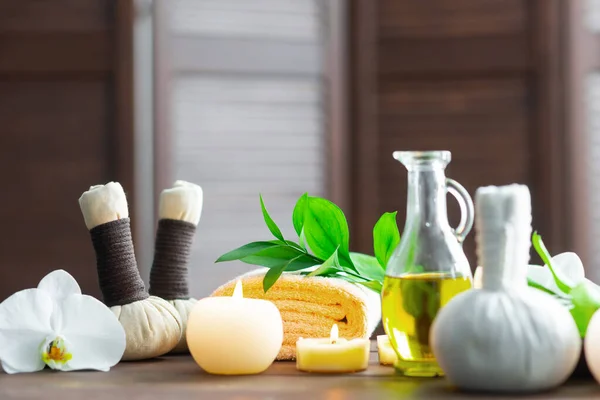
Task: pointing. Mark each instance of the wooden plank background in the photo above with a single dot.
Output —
(466, 76)
(66, 124)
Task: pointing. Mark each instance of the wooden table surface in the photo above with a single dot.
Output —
(178, 377)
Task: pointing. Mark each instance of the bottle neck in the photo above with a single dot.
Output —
(426, 204)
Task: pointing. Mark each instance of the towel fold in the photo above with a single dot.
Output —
(309, 306)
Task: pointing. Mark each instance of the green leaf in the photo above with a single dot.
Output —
(302, 239)
(276, 256)
(368, 266)
(386, 237)
(373, 285)
(586, 301)
(298, 214)
(353, 278)
(332, 264)
(326, 229)
(539, 286)
(273, 274)
(540, 248)
(246, 250)
(292, 244)
(349, 276)
(269, 221)
(357, 279)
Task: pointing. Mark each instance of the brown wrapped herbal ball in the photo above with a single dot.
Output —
(152, 325)
(179, 212)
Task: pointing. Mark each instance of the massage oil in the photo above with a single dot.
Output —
(410, 304)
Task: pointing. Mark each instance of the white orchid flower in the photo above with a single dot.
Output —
(57, 326)
(567, 266)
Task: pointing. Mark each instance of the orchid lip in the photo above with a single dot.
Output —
(55, 352)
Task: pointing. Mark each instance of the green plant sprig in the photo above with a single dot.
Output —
(322, 248)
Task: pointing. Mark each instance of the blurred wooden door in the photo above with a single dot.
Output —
(247, 114)
(583, 122)
(482, 79)
(66, 124)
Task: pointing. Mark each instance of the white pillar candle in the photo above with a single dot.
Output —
(234, 335)
(333, 354)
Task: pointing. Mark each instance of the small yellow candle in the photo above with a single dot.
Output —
(387, 354)
(234, 335)
(333, 354)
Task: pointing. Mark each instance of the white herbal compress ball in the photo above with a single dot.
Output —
(152, 325)
(505, 337)
(179, 213)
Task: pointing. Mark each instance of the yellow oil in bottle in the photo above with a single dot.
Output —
(409, 306)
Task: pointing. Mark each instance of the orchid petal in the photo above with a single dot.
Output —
(569, 268)
(95, 337)
(593, 286)
(24, 324)
(543, 277)
(59, 284)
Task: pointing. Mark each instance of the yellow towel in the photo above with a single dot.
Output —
(310, 306)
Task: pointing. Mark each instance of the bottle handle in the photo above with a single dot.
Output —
(467, 210)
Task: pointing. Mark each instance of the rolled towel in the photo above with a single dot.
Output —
(309, 306)
(179, 212)
(152, 326)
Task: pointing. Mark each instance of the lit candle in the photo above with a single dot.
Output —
(234, 335)
(333, 354)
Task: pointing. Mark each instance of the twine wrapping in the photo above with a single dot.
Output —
(169, 274)
(118, 275)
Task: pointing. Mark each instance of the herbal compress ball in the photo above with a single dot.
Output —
(152, 325)
(179, 213)
(506, 336)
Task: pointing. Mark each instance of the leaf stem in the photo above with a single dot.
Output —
(544, 254)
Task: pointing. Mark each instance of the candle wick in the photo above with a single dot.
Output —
(334, 334)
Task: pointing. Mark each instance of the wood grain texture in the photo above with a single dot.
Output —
(54, 146)
(452, 18)
(550, 161)
(122, 135)
(163, 130)
(335, 60)
(364, 122)
(55, 16)
(579, 63)
(479, 78)
(66, 117)
(450, 37)
(55, 52)
(482, 122)
(179, 377)
(448, 55)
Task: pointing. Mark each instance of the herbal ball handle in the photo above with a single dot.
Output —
(467, 210)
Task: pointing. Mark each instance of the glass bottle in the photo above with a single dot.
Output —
(429, 265)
